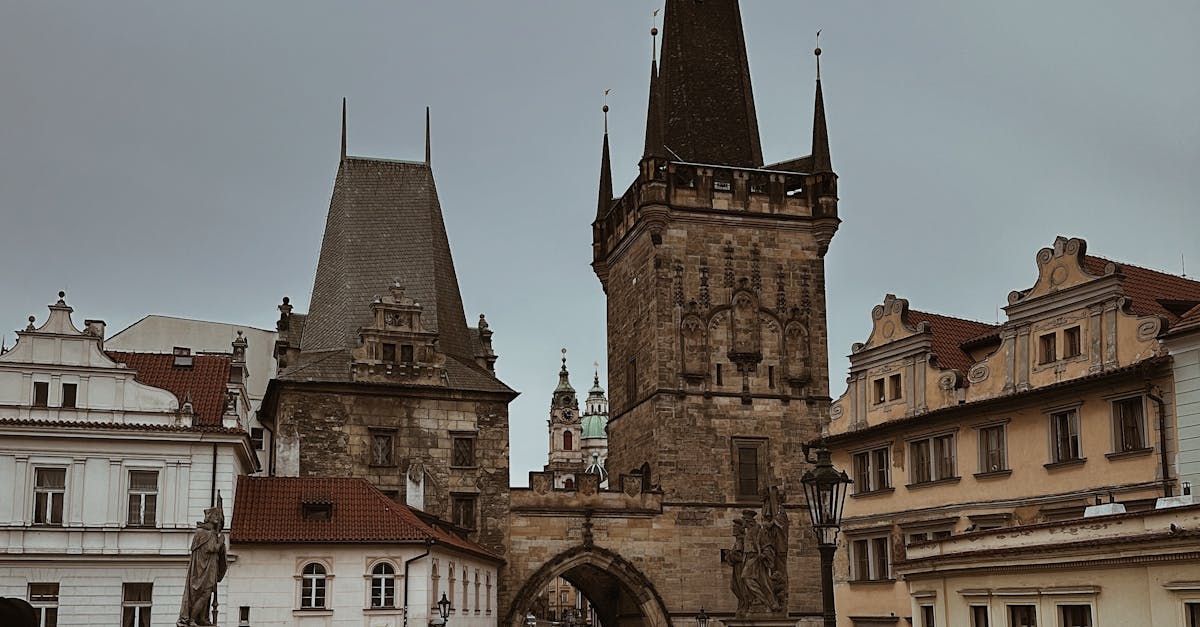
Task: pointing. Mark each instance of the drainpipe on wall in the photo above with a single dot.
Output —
(407, 562)
(1162, 440)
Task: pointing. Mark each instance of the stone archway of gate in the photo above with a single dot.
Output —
(621, 595)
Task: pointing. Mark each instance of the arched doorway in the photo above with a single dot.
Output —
(620, 593)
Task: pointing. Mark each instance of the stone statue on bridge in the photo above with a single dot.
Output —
(205, 569)
(759, 558)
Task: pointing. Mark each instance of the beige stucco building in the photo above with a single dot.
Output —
(953, 427)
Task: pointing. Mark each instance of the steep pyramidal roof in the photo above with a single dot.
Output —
(384, 227)
(707, 103)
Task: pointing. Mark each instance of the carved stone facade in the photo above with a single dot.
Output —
(956, 429)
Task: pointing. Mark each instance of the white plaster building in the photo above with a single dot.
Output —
(107, 460)
(167, 334)
(1183, 341)
(338, 552)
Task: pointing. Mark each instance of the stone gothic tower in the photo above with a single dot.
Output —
(566, 455)
(713, 267)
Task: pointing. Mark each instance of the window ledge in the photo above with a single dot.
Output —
(993, 474)
(926, 484)
(371, 610)
(871, 581)
(313, 611)
(1065, 464)
(870, 493)
(1137, 452)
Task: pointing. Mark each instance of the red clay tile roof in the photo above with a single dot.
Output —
(269, 510)
(1190, 320)
(1144, 287)
(948, 334)
(130, 426)
(204, 381)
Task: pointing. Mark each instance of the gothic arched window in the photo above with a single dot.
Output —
(568, 441)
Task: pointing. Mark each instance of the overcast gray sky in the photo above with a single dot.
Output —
(179, 160)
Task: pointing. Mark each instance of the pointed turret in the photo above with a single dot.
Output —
(606, 185)
(654, 119)
(426, 135)
(343, 129)
(820, 138)
(704, 81)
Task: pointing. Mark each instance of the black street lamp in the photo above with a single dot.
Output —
(702, 619)
(444, 609)
(825, 488)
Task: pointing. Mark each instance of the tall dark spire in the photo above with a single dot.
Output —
(426, 135)
(606, 186)
(654, 120)
(343, 129)
(820, 138)
(704, 83)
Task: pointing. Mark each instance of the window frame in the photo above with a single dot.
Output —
(307, 598)
(1010, 607)
(1073, 430)
(985, 452)
(144, 495)
(1072, 342)
(456, 437)
(381, 585)
(1060, 610)
(1118, 426)
(879, 478)
(1047, 348)
(895, 387)
(52, 491)
(459, 499)
(878, 391)
(73, 397)
(973, 610)
(45, 604)
(871, 542)
(43, 399)
(137, 612)
(390, 460)
(933, 471)
(739, 444)
(928, 615)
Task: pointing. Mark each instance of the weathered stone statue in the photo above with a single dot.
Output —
(205, 568)
(759, 558)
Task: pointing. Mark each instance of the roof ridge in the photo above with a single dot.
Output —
(959, 318)
(1140, 267)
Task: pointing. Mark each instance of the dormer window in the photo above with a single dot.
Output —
(183, 356)
(315, 512)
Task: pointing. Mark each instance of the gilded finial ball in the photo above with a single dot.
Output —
(817, 51)
(653, 31)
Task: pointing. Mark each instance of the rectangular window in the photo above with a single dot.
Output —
(1192, 610)
(143, 497)
(1075, 615)
(257, 437)
(1022, 616)
(933, 459)
(894, 389)
(1128, 422)
(41, 393)
(927, 616)
(48, 491)
(69, 391)
(1071, 345)
(720, 380)
(870, 559)
(877, 388)
(871, 470)
(44, 599)
(1046, 348)
(747, 471)
(771, 377)
(389, 353)
(1064, 435)
(244, 616)
(406, 353)
(631, 382)
(992, 449)
(381, 449)
(464, 510)
(463, 452)
(979, 616)
(925, 536)
(136, 603)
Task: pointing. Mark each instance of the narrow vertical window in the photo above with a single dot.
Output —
(389, 353)
(720, 380)
(771, 377)
(1064, 431)
(862, 472)
(631, 381)
(747, 471)
(927, 619)
(860, 554)
(143, 498)
(992, 455)
(879, 557)
(879, 463)
(476, 590)
(463, 451)
(48, 491)
(244, 616)
(1046, 348)
(877, 388)
(568, 441)
(1071, 344)
(465, 607)
(1192, 610)
(895, 390)
(44, 599)
(979, 616)
(136, 601)
(69, 392)
(1128, 421)
(381, 449)
(383, 586)
(463, 510)
(919, 471)
(312, 586)
(41, 393)
(257, 438)
(944, 449)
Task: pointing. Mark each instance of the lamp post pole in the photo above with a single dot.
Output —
(825, 488)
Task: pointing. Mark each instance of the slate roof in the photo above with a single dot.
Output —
(295, 331)
(384, 226)
(1145, 287)
(708, 104)
(949, 334)
(270, 510)
(204, 381)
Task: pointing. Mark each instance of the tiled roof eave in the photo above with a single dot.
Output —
(943, 412)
